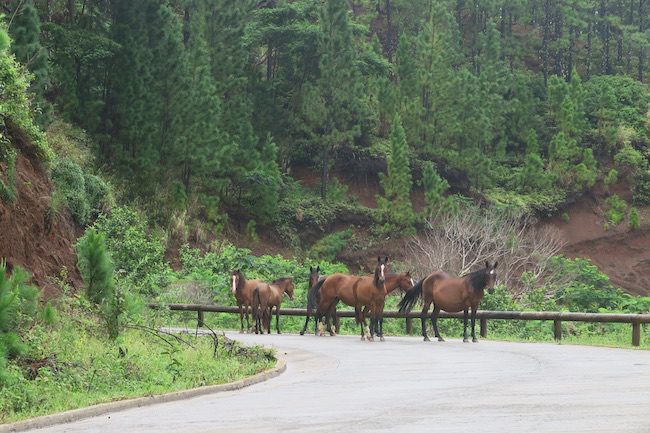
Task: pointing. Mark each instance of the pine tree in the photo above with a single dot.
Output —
(396, 204)
(335, 112)
(434, 188)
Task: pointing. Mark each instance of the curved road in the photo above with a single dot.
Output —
(405, 385)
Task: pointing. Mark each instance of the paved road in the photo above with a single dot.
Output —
(341, 384)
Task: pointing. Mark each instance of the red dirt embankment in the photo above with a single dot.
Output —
(27, 238)
(621, 253)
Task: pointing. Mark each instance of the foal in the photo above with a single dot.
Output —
(267, 296)
(451, 295)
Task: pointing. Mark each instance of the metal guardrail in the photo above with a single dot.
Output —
(556, 316)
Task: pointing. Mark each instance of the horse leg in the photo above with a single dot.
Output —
(474, 339)
(434, 321)
(241, 318)
(423, 319)
(381, 323)
(277, 319)
(465, 326)
(331, 318)
(304, 328)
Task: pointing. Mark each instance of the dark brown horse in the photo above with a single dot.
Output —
(242, 289)
(392, 282)
(451, 295)
(312, 297)
(265, 297)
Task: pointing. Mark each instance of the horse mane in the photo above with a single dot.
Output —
(241, 283)
(477, 279)
(375, 279)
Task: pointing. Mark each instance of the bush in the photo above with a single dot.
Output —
(633, 216)
(616, 208)
(97, 194)
(69, 180)
(611, 178)
(330, 246)
(139, 257)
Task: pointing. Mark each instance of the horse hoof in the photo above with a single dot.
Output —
(474, 340)
(332, 334)
(426, 338)
(441, 339)
(241, 331)
(381, 339)
(465, 340)
(302, 332)
(279, 332)
(363, 338)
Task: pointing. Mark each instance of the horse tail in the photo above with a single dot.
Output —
(411, 297)
(313, 295)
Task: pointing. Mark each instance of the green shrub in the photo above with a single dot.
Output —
(97, 194)
(330, 246)
(69, 180)
(616, 208)
(138, 255)
(634, 219)
(611, 178)
(8, 186)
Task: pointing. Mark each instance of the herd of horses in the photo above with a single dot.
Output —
(367, 295)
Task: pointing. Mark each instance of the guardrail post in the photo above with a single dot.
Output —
(200, 322)
(409, 325)
(483, 327)
(557, 330)
(636, 333)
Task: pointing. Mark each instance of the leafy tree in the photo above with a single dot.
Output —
(434, 188)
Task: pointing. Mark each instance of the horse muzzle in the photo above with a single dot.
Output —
(491, 290)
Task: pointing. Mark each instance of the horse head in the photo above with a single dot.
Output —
(491, 273)
(314, 275)
(286, 284)
(381, 270)
(236, 278)
(405, 281)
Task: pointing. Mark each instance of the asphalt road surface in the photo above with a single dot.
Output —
(340, 384)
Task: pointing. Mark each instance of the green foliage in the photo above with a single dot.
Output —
(97, 195)
(8, 187)
(330, 246)
(615, 210)
(69, 181)
(434, 188)
(18, 305)
(138, 255)
(395, 206)
(83, 368)
(14, 103)
(96, 268)
(634, 219)
(611, 178)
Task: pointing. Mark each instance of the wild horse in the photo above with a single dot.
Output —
(451, 295)
(368, 294)
(312, 297)
(242, 289)
(265, 297)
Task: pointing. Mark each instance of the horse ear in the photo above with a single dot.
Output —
(318, 268)
(495, 264)
(487, 264)
(386, 260)
(379, 259)
(311, 269)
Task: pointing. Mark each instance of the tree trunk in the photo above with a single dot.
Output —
(641, 29)
(590, 31)
(605, 67)
(547, 23)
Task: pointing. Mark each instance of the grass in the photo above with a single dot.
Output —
(80, 367)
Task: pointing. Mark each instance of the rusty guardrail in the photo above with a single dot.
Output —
(483, 315)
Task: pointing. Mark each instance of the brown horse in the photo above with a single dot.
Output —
(451, 295)
(265, 297)
(392, 282)
(312, 297)
(242, 289)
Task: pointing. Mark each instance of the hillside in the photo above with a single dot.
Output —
(34, 234)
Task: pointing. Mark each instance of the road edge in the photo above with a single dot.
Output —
(116, 406)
